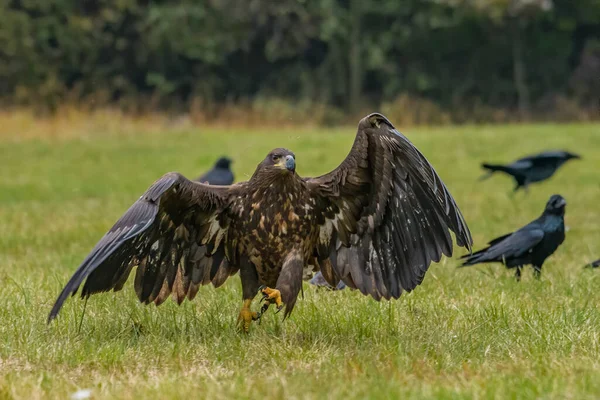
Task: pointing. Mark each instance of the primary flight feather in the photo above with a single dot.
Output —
(376, 223)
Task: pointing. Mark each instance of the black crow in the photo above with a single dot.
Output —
(594, 264)
(535, 168)
(220, 174)
(319, 280)
(531, 244)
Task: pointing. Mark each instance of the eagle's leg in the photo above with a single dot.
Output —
(246, 316)
(249, 288)
(288, 284)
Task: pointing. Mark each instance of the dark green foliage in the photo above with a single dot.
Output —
(460, 54)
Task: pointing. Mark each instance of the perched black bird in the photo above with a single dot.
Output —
(220, 174)
(594, 264)
(531, 244)
(535, 168)
(319, 280)
(376, 222)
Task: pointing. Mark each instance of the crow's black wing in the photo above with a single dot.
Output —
(507, 247)
(541, 159)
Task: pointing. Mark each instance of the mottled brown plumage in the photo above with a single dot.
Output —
(376, 222)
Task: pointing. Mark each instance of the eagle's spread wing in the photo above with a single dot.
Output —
(384, 214)
(174, 233)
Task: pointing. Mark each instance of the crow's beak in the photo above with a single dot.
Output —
(562, 203)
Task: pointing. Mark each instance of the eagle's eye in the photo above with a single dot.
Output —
(275, 157)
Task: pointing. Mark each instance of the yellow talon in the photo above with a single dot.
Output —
(272, 295)
(246, 316)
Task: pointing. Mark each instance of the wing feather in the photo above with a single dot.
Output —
(173, 234)
(389, 211)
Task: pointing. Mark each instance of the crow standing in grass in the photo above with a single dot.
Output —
(220, 174)
(376, 222)
(530, 245)
(535, 168)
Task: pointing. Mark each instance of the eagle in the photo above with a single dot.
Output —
(376, 223)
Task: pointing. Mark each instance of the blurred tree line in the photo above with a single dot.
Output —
(457, 60)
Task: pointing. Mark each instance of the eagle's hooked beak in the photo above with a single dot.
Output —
(288, 163)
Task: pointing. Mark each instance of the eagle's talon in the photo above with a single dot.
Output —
(272, 296)
(264, 308)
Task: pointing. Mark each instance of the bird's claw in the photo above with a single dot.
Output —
(259, 316)
(246, 317)
(261, 289)
(264, 308)
(270, 296)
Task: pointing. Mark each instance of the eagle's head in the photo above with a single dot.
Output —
(279, 160)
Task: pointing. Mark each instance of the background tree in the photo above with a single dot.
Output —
(462, 58)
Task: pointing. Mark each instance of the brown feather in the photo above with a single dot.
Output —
(402, 211)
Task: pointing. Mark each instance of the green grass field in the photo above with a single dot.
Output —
(464, 333)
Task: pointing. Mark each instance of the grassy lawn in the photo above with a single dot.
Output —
(465, 333)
